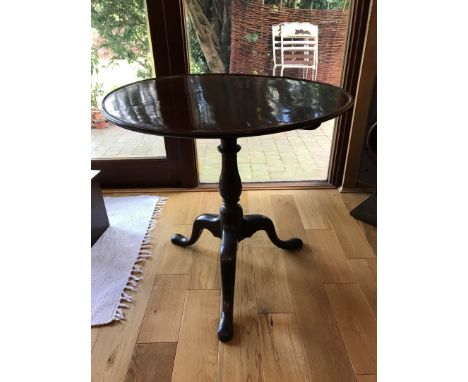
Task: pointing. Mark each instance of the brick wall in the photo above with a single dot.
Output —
(251, 49)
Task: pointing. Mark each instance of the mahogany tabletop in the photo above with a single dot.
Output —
(223, 105)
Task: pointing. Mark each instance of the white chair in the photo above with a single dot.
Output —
(295, 45)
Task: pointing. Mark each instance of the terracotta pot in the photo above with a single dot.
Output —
(97, 120)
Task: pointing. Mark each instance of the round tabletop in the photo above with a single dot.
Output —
(223, 105)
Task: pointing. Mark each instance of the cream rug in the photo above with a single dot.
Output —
(117, 256)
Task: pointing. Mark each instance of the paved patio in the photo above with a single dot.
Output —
(115, 142)
(294, 155)
(291, 156)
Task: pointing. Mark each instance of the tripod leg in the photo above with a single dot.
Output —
(206, 221)
(228, 278)
(254, 223)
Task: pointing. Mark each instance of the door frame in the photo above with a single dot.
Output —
(170, 57)
(365, 93)
(357, 33)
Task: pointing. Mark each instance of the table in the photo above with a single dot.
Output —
(226, 107)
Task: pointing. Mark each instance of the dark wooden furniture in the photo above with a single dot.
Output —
(99, 219)
(225, 107)
(367, 210)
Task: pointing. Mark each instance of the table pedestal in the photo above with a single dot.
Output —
(231, 226)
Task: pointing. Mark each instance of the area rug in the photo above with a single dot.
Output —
(118, 255)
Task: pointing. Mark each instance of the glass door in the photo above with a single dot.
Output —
(129, 43)
(238, 36)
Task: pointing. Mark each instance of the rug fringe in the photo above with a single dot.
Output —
(144, 254)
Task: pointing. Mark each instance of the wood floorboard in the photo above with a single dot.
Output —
(197, 350)
(304, 315)
(326, 353)
(172, 259)
(192, 204)
(164, 311)
(366, 378)
(351, 200)
(330, 257)
(366, 274)
(308, 204)
(351, 238)
(94, 335)
(272, 288)
(357, 325)
(283, 353)
(205, 273)
(152, 362)
(258, 203)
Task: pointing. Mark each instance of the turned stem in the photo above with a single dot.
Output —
(230, 185)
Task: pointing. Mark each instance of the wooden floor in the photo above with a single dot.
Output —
(308, 315)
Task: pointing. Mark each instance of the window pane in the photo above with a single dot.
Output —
(236, 37)
(120, 54)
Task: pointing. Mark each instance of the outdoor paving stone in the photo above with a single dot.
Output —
(281, 139)
(260, 172)
(278, 175)
(321, 167)
(277, 163)
(259, 162)
(290, 161)
(267, 139)
(314, 146)
(287, 154)
(256, 153)
(322, 158)
(292, 155)
(212, 175)
(303, 154)
(266, 147)
(324, 142)
(303, 157)
(245, 175)
(290, 172)
(257, 158)
(111, 153)
(277, 170)
(115, 138)
(284, 145)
